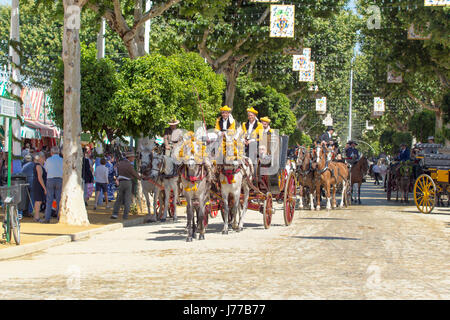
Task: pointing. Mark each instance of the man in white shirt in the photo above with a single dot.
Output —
(101, 182)
(54, 168)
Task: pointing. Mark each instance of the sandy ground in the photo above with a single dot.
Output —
(377, 250)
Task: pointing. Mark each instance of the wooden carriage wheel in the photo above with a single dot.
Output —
(268, 211)
(425, 193)
(289, 198)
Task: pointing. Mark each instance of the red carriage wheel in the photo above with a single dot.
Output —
(268, 211)
(289, 199)
(171, 204)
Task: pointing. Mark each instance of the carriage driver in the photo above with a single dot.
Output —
(225, 121)
(352, 153)
(172, 136)
(252, 130)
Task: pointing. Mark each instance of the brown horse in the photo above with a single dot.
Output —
(358, 171)
(329, 175)
(305, 175)
(404, 179)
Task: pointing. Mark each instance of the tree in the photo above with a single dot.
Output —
(422, 125)
(236, 33)
(99, 84)
(267, 101)
(155, 88)
(72, 210)
(424, 64)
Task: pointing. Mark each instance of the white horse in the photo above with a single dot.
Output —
(233, 175)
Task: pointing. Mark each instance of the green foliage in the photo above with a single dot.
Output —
(267, 101)
(300, 138)
(98, 86)
(41, 38)
(391, 140)
(422, 125)
(155, 88)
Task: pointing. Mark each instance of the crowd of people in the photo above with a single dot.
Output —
(43, 172)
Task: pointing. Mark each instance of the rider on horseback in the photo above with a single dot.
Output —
(352, 153)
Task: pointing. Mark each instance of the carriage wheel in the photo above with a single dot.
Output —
(289, 199)
(268, 211)
(282, 179)
(425, 193)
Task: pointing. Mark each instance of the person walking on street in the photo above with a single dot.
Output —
(27, 170)
(126, 173)
(87, 176)
(101, 182)
(54, 168)
(39, 190)
(376, 171)
(111, 177)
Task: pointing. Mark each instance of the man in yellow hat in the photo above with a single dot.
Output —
(266, 135)
(225, 121)
(252, 129)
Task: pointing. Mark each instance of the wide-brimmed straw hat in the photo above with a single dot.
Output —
(174, 122)
(129, 154)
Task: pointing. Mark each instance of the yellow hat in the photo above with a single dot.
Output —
(265, 119)
(225, 108)
(252, 110)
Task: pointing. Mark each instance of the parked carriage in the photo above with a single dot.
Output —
(434, 182)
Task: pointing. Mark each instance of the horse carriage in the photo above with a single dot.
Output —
(400, 178)
(319, 174)
(208, 186)
(434, 182)
(257, 192)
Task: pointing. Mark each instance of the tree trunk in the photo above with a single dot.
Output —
(231, 75)
(72, 209)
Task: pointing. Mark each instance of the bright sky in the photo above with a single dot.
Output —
(5, 2)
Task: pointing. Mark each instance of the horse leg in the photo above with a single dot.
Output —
(300, 195)
(344, 190)
(175, 199)
(318, 197)
(225, 213)
(244, 207)
(311, 199)
(359, 193)
(190, 216)
(201, 211)
(328, 194)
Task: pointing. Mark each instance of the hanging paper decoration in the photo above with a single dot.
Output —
(307, 53)
(437, 3)
(308, 76)
(418, 33)
(378, 107)
(328, 121)
(321, 105)
(393, 76)
(282, 19)
(300, 63)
